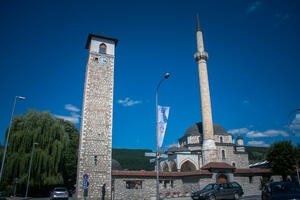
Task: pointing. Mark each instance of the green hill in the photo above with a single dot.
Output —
(134, 159)
(256, 154)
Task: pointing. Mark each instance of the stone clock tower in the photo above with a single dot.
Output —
(95, 145)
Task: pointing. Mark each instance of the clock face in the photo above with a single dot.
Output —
(103, 60)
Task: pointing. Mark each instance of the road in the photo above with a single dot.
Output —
(257, 197)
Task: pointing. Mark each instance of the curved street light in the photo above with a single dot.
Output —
(290, 130)
(29, 171)
(7, 137)
(167, 75)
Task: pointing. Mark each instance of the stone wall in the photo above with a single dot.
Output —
(94, 157)
(185, 185)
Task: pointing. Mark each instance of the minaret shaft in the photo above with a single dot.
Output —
(209, 147)
(207, 124)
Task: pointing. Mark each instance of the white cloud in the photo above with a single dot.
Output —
(281, 18)
(245, 102)
(258, 143)
(267, 133)
(128, 102)
(240, 131)
(259, 134)
(70, 107)
(295, 125)
(74, 118)
(253, 7)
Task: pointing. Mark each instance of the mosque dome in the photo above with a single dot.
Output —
(115, 165)
(197, 129)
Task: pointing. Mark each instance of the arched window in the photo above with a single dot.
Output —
(102, 48)
(221, 139)
(233, 164)
(223, 155)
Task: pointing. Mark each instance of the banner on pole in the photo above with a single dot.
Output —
(163, 114)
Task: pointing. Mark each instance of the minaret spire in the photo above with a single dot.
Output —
(198, 23)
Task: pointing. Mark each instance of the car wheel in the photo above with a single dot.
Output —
(212, 197)
(236, 196)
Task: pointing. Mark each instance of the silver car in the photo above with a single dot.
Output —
(59, 193)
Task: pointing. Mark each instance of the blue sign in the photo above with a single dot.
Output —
(85, 176)
(85, 184)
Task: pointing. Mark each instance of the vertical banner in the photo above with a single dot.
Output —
(163, 114)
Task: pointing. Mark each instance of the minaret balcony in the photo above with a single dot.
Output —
(201, 56)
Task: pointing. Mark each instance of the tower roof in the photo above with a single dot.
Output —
(88, 42)
(198, 23)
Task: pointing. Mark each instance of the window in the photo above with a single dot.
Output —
(221, 139)
(102, 48)
(134, 184)
(250, 179)
(233, 164)
(95, 160)
(223, 155)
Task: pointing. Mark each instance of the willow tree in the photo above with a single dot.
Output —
(57, 142)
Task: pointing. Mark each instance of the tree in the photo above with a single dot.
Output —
(282, 158)
(55, 157)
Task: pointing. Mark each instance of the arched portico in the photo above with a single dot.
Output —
(173, 167)
(187, 166)
(165, 167)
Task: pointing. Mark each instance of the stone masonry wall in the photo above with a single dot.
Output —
(96, 128)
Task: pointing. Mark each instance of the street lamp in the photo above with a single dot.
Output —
(7, 137)
(29, 171)
(167, 75)
(290, 130)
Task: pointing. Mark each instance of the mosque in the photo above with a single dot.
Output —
(206, 153)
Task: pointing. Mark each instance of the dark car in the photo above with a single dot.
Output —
(280, 191)
(231, 190)
(59, 193)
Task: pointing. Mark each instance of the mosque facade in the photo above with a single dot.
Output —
(205, 154)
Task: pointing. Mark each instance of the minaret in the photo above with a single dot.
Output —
(209, 147)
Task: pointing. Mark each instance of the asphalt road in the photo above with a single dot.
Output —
(180, 198)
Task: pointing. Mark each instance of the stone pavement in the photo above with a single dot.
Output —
(256, 197)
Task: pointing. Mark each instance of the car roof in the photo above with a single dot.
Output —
(59, 188)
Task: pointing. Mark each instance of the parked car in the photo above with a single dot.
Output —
(230, 190)
(280, 191)
(59, 193)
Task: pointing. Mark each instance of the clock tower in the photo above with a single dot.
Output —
(95, 144)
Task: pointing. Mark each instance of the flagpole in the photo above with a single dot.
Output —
(157, 149)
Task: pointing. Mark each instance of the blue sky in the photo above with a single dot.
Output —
(253, 64)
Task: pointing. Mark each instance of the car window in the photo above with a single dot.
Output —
(278, 188)
(235, 185)
(209, 187)
(60, 190)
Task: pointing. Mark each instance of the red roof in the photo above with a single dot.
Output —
(246, 171)
(217, 165)
(153, 173)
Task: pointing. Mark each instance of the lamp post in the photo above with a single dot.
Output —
(167, 75)
(7, 137)
(290, 130)
(29, 171)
